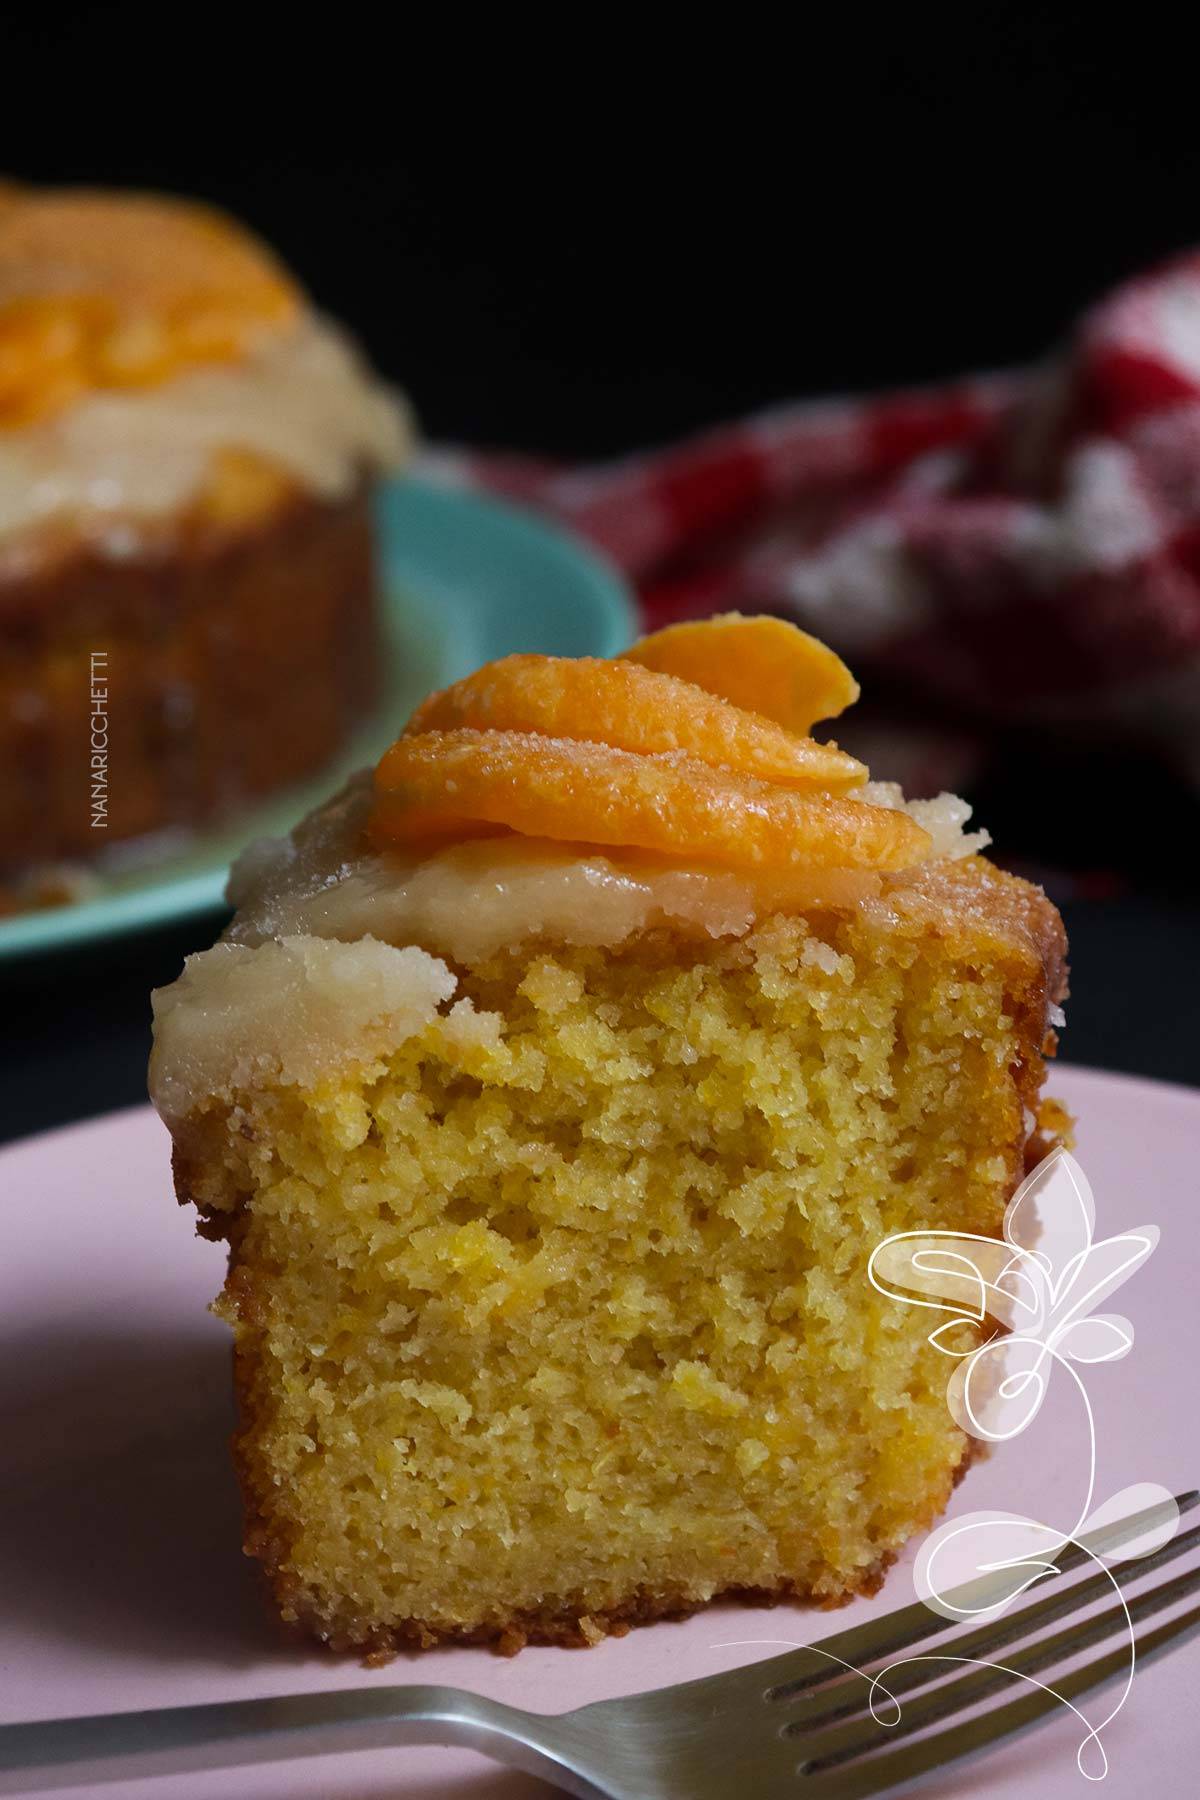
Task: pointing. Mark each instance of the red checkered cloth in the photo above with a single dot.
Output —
(1018, 549)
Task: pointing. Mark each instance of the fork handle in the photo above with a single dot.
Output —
(179, 1739)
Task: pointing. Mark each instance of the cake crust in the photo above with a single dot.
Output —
(238, 659)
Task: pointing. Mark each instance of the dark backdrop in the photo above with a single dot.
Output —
(592, 238)
(610, 228)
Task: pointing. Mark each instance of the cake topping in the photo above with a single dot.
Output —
(628, 707)
(154, 358)
(110, 291)
(469, 900)
(289, 1011)
(125, 462)
(763, 665)
(660, 757)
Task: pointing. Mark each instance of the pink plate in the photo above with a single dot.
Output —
(121, 1585)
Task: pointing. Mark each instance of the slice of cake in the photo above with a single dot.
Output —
(552, 1088)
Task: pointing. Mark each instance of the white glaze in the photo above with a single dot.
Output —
(305, 401)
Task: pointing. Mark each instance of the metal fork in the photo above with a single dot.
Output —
(798, 1724)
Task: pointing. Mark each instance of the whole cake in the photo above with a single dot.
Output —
(187, 451)
(552, 1087)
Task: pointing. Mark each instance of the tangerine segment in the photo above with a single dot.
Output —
(762, 664)
(101, 290)
(632, 708)
(434, 782)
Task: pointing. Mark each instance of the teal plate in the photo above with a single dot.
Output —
(465, 579)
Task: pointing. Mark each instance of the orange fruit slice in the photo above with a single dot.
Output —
(637, 709)
(435, 782)
(762, 664)
(106, 290)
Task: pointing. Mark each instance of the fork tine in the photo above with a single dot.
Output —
(881, 1637)
(851, 1694)
(841, 1742)
(856, 1780)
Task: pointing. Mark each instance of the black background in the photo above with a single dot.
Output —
(601, 235)
(607, 228)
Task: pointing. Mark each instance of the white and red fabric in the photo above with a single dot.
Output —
(1016, 548)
